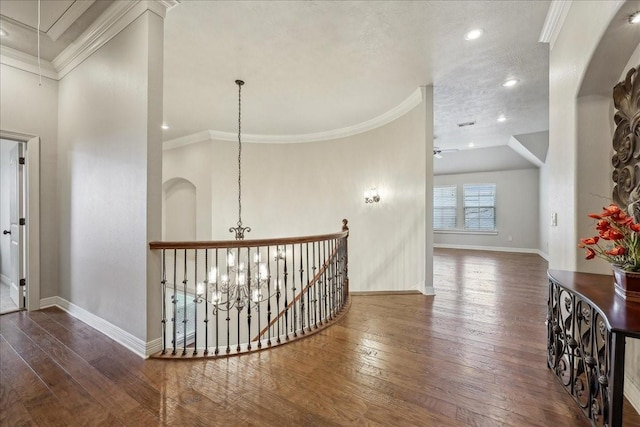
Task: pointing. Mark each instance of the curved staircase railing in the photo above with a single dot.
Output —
(224, 298)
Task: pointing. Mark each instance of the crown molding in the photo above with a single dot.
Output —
(68, 18)
(23, 61)
(169, 4)
(108, 25)
(113, 20)
(398, 111)
(205, 135)
(557, 13)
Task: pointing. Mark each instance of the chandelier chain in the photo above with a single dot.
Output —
(239, 229)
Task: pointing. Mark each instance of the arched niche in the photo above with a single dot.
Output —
(178, 210)
(616, 52)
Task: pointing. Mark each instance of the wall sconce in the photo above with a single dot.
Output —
(371, 196)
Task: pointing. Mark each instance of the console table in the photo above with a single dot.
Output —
(587, 324)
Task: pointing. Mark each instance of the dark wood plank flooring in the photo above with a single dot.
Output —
(473, 355)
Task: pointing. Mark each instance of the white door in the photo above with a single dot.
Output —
(16, 271)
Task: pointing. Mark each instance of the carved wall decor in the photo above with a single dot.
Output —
(626, 143)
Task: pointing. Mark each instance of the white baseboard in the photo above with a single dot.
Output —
(394, 292)
(117, 334)
(492, 248)
(632, 392)
(4, 279)
(153, 346)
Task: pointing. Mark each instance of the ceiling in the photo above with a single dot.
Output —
(61, 22)
(317, 67)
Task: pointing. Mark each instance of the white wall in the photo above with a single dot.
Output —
(5, 200)
(303, 189)
(32, 109)
(517, 210)
(109, 179)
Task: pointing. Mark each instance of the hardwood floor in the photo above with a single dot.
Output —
(473, 355)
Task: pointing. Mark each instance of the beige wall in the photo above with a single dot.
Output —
(568, 61)
(302, 189)
(579, 161)
(193, 164)
(517, 210)
(109, 178)
(26, 107)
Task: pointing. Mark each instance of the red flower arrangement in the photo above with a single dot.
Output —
(622, 235)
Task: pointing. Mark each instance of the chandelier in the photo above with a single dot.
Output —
(242, 279)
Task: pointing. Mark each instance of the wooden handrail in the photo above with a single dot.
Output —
(223, 244)
(298, 296)
(240, 289)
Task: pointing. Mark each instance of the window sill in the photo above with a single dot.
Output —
(455, 231)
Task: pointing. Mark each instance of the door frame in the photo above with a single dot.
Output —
(32, 214)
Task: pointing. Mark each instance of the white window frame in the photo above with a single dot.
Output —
(444, 206)
(483, 203)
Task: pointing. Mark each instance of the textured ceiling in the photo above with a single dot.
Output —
(317, 66)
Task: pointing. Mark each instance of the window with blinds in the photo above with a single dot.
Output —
(445, 206)
(479, 207)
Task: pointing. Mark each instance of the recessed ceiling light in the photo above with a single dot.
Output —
(3, 32)
(474, 34)
(471, 145)
(502, 119)
(164, 127)
(510, 82)
(635, 18)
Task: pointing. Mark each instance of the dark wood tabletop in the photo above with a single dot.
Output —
(623, 316)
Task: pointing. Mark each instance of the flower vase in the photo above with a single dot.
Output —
(627, 283)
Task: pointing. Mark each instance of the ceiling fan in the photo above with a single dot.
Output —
(437, 151)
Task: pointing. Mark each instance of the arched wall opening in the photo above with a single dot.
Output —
(178, 210)
(616, 52)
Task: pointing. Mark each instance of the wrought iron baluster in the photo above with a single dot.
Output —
(286, 297)
(249, 301)
(164, 302)
(339, 278)
(314, 289)
(184, 299)
(324, 273)
(206, 302)
(195, 304)
(228, 304)
(216, 307)
(174, 302)
(319, 284)
(259, 290)
(268, 296)
(239, 306)
(332, 280)
(279, 288)
(302, 286)
(309, 290)
(294, 323)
